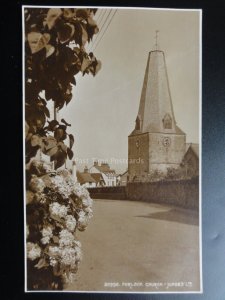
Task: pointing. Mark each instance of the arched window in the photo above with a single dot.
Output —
(167, 122)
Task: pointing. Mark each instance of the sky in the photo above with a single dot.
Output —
(104, 108)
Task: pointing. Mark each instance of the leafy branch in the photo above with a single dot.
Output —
(55, 53)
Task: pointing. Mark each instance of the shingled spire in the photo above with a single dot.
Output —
(156, 143)
(156, 110)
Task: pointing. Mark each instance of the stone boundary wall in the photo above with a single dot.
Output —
(184, 193)
(110, 192)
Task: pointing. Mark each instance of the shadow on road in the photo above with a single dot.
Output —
(175, 215)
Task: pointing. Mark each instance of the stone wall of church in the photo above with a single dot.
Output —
(138, 155)
(154, 151)
(166, 150)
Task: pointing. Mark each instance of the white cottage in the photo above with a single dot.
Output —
(108, 175)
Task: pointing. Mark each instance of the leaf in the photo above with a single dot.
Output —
(50, 142)
(55, 239)
(82, 13)
(52, 125)
(52, 15)
(52, 151)
(69, 153)
(59, 158)
(56, 218)
(46, 111)
(60, 162)
(84, 36)
(91, 21)
(60, 134)
(41, 264)
(68, 13)
(85, 64)
(49, 50)
(73, 80)
(71, 137)
(37, 41)
(35, 140)
(62, 146)
(73, 203)
(68, 98)
(65, 32)
(63, 121)
(98, 67)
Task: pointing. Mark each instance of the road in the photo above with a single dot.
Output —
(137, 246)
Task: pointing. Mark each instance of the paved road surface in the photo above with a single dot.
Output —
(140, 247)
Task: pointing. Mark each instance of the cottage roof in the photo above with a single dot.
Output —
(97, 177)
(104, 168)
(84, 177)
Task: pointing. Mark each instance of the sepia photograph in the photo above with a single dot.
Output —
(112, 102)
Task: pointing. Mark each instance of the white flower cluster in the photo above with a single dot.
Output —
(33, 251)
(66, 238)
(59, 184)
(58, 210)
(68, 253)
(73, 211)
(81, 191)
(46, 235)
(70, 223)
(36, 184)
(40, 166)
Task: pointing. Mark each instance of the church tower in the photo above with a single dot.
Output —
(156, 143)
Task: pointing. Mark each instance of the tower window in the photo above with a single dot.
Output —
(138, 124)
(167, 122)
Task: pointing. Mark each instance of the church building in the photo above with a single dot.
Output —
(156, 143)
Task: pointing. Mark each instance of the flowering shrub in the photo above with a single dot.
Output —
(54, 47)
(56, 207)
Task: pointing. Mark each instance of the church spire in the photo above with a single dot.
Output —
(156, 39)
(155, 109)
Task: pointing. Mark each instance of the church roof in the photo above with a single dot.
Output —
(194, 147)
(155, 106)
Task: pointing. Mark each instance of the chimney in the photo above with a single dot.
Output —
(85, 169)
(74, 170)
(95, 163)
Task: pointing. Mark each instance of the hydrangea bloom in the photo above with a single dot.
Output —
(87, 202)
(53, 262)
(33, 251)
(59, 184)
(70, 223)
(65, 206)
(81, 191)
(89, 211)
(36, 184)
(66, 238)
(58, 210)
(40, 197)
(47, 235)
(78, 254)
(68, 256)
(53, 251)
